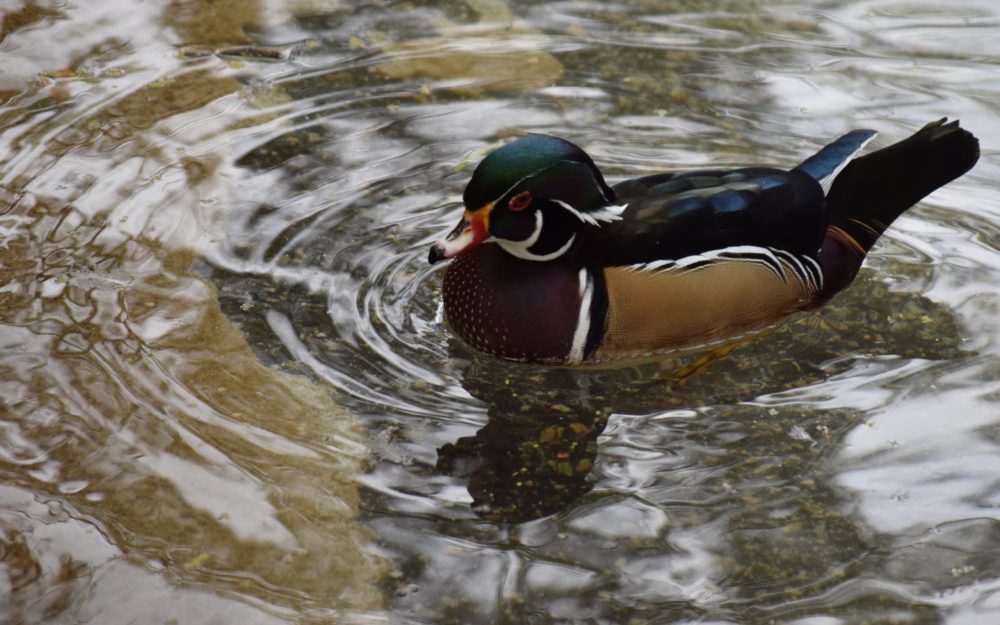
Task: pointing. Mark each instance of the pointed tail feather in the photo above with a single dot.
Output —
(875, 189)
(824, 165)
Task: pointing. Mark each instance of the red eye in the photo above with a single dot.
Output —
(520, 201)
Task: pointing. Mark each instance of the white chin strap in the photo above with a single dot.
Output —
(521, 249)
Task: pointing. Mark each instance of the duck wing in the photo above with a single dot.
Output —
(677, 215)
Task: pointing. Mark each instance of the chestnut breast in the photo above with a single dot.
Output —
(513, 308)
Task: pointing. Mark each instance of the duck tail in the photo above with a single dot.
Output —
(825, 165)
(873, 190)
(870, 192)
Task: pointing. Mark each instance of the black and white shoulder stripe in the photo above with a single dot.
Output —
(778, 262)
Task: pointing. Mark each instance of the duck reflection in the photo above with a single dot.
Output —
(520, 467)
(536, 453)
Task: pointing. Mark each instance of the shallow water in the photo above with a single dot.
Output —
(226, 393)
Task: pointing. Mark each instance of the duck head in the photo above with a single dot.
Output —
(533, 197)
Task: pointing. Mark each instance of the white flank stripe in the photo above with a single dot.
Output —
(774, 260)
(773, 265)
(656, 265)
(817, 272)
(687, 261)
(808, 275)
(575, 356)
(795, 264)
(734, 253)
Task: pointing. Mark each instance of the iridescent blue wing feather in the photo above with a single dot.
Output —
(828, 162)
(670, 216)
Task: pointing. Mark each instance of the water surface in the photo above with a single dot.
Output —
(226, 392)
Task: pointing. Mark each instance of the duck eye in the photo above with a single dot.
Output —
(520, 201)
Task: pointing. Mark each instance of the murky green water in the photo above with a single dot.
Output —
(226, 394)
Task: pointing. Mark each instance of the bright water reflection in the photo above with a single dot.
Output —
(191, 191)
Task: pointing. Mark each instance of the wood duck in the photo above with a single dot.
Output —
(552, 265)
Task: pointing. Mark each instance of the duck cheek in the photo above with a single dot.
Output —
(517, 227)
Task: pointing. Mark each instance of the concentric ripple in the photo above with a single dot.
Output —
(652, 472)
(227, 392)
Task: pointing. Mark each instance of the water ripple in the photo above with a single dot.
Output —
(226, 386)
